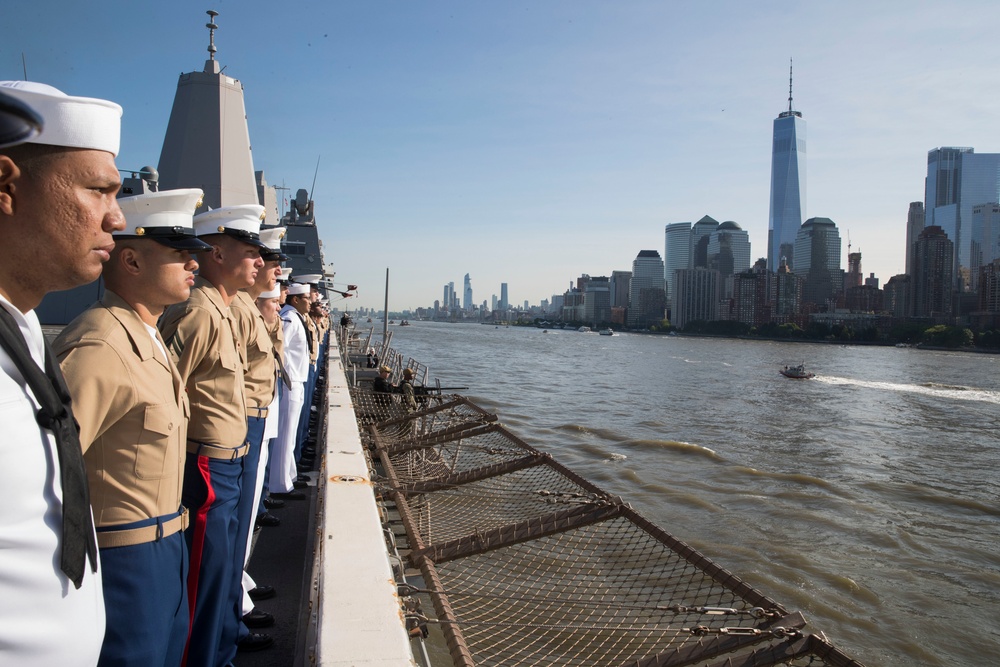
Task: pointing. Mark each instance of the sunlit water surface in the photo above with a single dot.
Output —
(866, 498)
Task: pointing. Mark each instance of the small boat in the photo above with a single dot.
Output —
(584, 329)
(606, 332)
(404, 323)
(797, 372)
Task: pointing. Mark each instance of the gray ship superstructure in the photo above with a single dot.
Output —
(207, 146)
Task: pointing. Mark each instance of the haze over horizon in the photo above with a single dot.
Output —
(531, 143)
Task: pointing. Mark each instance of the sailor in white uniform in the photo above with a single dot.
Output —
(296, 357)
(57, 199)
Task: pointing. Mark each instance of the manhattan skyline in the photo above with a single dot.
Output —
(531, 143)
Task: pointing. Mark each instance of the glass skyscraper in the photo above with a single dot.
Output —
(676, 254)
(957, 180)
(788, 184)
(647, 298)
(817, 259)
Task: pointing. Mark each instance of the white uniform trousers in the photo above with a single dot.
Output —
(270, 430)
(283, 471)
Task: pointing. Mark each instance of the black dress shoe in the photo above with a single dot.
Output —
(268, 520)
(254, 641)
(303, 478)
(264, 592)
(291, 495)
(258, 619)
(273, 503)
(299, 485)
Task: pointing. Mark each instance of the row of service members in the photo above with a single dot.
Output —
(167, 417)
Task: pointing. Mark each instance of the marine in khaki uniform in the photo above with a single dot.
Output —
(260, 377)
(201, 334)
(132, 409)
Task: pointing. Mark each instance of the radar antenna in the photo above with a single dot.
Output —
(212, 27)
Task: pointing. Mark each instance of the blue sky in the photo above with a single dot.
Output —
(530, 142)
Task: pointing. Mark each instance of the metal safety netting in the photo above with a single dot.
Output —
(527, 563)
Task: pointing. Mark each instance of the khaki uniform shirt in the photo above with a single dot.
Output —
(132, 410)
(260, 370)
(277, 337)
(313, 332)
(201, 337)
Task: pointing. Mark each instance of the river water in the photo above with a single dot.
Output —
(868, 498)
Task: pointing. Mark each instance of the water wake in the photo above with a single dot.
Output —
(933, 389)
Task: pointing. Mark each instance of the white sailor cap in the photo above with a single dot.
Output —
(271, 238)
(73, 122)
(285, 272)
(242, 222)
(163, 216)
(296, 289)
(270, 294)
(311, 278)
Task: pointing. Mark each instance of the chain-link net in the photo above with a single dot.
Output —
(526, 563)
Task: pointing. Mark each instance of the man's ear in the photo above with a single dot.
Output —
(9, 173)
(130, 260)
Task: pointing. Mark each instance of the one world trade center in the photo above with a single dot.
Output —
(788, 184)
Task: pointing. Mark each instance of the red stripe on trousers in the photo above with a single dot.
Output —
(198, 545)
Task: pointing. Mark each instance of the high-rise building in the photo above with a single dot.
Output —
(446, 298)
(504, 304)
(452, 297)
(933, 255)
(957, 180)
(817, 260)
(989, 287)
(701, 231)
(493, 302)
(728, 253)
(898, 294)
(788, 289)
(788, 184)
(752, 295)
(985, 239)
(697, 296)
(676, 254)
(647, 297)
(854, 269)
(620, 281)
(914, 225)
(467, 294)
(597, 301)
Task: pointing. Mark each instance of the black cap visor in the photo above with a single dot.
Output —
(18, 121)
(246, 237)
(179, 238)
(271, 255)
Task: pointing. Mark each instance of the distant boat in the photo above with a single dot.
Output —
(584, 329)
(797, 372)
(606, 332)
(404, 323)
